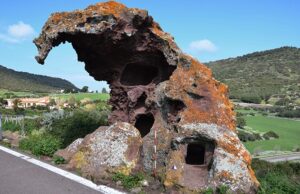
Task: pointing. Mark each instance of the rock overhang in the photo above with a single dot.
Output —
(152, 79)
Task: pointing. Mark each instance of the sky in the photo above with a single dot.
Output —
(207, 29)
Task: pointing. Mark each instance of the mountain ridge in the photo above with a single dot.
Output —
(24, 81)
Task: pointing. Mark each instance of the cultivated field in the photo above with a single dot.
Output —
(287, 129)
(80, 96)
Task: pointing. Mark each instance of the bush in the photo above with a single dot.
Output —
(240, 122)
(40, 145)
(270, 134)
(289, 113)
(277, 178)
(245, 136)
(59, 160)
(251, 99)
(78, 125)
(283, 102)
(128, 181)
(29, 125)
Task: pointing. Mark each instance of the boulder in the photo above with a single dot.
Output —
(13, 138)
(68, 152)
(109, 149)
(183, 115)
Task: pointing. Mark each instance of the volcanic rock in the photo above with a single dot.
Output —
(68, 152)
(108, 149)
(183, 114)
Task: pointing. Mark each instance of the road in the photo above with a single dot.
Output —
(282, 158)
(18, 176)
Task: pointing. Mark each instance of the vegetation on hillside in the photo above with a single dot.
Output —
(21, 81)
(277, 178)
(261, 75)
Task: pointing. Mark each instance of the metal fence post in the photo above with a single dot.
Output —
(0, 126)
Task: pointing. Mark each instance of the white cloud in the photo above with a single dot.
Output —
(17, 33)
(204, 45)
(20, 30)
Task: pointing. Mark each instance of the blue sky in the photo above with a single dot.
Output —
(207, 29)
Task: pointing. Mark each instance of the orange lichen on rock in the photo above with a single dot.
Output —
(166, 96)
(206, 99)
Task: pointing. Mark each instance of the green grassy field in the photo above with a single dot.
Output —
(287, 129)
(19, 94)
(80, 96)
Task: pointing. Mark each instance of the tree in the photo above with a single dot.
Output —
(52, 102)
(240, 121)
(72, 101)
(16, 108)
(104, 91)
(85, 89)
(3, 102)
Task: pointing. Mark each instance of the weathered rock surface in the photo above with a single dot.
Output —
(68, 152)
(13, 138)
(108, 149)
(182, 113)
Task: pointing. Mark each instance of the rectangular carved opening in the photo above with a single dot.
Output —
(195, 154)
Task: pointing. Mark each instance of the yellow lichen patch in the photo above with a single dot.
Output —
(125, 169)
(174, 171)
(79, 160)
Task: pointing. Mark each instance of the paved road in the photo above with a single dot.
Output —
(18, 176)
(282, 158)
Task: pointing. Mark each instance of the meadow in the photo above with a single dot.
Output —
(287, 129)
(3, 93)
(80, 96)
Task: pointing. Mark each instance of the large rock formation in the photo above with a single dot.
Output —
(183, 114)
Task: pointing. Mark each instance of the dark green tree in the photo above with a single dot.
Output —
(104, 91)
(85, 89)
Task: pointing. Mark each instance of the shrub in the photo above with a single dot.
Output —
(289, 113)
(277, 178)
(77, 126)
(245, 136)
(223, 189)
(59, 160)
(29, 125)
(40, 145)
(128, 181)
(240, 121)
(251, 99)
(208, 191)
(270, 134)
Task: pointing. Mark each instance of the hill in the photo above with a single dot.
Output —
(21, 81)
(263, 74)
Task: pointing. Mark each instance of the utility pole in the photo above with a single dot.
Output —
(0, 127)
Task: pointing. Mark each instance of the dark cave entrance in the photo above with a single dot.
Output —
(144, 123)
(138, 74)
(198, 154)
(195, 154)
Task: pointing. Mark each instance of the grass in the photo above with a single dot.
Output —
(19, 94)
(287, 129)
(80, 96)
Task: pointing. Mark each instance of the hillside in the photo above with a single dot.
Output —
(263, 74)
(21, 81)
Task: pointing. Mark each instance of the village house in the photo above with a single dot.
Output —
(29, 102)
